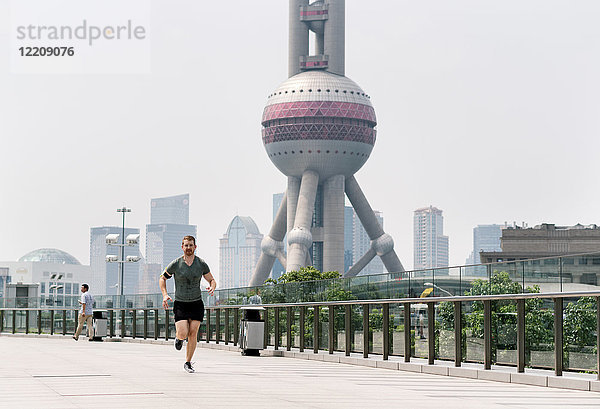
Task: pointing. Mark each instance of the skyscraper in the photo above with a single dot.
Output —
(105, 276)
(319, 130)
(170, 210)
(169, 223)
(486, 237)
(239, 249)
(430, 244)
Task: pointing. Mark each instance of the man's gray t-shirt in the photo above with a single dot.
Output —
(187, 278)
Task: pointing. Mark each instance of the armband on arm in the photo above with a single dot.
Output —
(166, 275)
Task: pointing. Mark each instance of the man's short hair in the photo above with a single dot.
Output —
(87, 287)
(189, 238)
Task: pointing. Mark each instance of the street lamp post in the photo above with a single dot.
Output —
(439, 288)
(121, 266)
(130, 240)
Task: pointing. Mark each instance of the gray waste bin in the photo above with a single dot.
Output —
(252, 330)
(100, 322)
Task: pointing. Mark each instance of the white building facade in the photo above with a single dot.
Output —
(430, 244)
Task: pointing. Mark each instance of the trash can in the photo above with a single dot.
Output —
(252, 330)
(100, 323)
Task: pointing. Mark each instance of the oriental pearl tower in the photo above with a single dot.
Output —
(319, 130)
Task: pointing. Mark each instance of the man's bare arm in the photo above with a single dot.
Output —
(212, 283)
(162, 283)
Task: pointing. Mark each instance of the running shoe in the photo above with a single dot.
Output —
(188, 367)
(178, 344)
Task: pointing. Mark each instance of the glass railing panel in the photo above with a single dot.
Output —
(357, 328)
(539, 333)
(72, 316)
(473, 331)
(376, 329)
(20, 321)
(308, 327)
(444, 330)
(324, 327)
(397, 329)
(418, 322)
(504, 332)
(579, 334)
(339, 334)
(544, 273)
(139, 322)
(45, 321)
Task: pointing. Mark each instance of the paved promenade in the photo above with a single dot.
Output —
(61, 373)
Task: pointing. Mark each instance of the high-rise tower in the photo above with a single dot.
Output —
(430, 244)
(319, 129)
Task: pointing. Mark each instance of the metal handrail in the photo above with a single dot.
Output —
(215, 327)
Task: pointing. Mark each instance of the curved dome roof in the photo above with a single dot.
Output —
(249, 224)
(50, 256)
(317, 85)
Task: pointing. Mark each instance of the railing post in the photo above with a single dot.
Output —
(217, 324)
(487, 334)
(27, 321)
(288, 313)
(521, 335)
(207, 325)
(302, 313)
(76, 322)
(111, 323)
(276, 329)
(431, 332)
(145, 323)
(39, 321)
(598, 336)
(457, 333)
(2, 320)
(156, 323)
(133, 323)
(348, 329)
(123, 323)
(236, 324)
(331, 331)
(558, 336)
(316, 330)
(365, 330)
(227, 332)
(51, 322)
(266, 339)
(64, 322)
(386, 331)
(407, 336)
(166, 325)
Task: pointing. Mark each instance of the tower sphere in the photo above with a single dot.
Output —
(319, 121)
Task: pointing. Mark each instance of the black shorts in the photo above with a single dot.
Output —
(193, 310)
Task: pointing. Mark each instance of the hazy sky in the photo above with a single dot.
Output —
(488, 110)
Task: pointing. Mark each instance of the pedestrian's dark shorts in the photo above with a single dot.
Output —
(193, 310)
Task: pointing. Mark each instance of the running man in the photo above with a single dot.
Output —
(188, 307)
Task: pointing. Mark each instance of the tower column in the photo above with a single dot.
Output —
(333, 224)
(300, 237)
(293, 190)
(298, 37)
(271, 246)
(381, 243)
(335, 32)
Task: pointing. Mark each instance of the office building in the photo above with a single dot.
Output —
(239, 250)
(169, 223)
(430, 244)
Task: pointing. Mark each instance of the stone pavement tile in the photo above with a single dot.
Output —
(228, 380)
